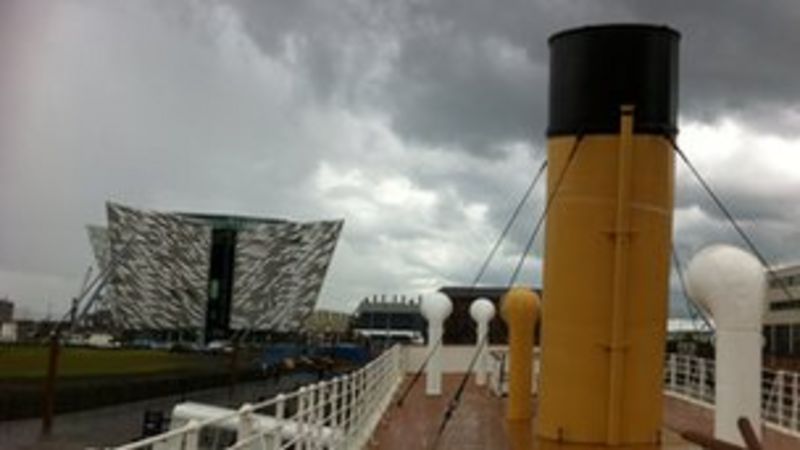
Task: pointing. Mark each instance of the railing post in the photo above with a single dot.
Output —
(352, 428)
(300, 424)
(399, 363)
(795, 399)
(246, 424)
(337, 392)
(366, 397)
(362, 398)
(779, 413)
(369, 383)
(280, 413)
(322, 401)
(192, 435)
(313, 410)
(334, 401)
(671, 369)
(344, 402)
(703, 377)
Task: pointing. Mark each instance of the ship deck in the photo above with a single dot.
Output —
(479, 423)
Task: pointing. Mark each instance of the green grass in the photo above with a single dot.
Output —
(27, 362)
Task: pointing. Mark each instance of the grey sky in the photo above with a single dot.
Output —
(419, 123)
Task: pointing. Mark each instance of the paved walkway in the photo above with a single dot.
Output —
(119, 424)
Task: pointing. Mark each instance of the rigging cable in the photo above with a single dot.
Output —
(456, 400)
(481, 272)
(452, 405)
(510, 222)
(551, 197)
(750, 244)
(418, 374)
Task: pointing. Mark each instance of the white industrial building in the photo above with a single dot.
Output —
(782, 315)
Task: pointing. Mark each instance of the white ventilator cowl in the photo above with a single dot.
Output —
(482, 312)
(435, 308)
(730, 284)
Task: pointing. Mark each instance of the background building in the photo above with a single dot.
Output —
(391, 318)
(187, 272)
(460, 328)
(6, 310)
(782, 316)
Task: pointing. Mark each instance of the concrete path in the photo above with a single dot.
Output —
(115, 425)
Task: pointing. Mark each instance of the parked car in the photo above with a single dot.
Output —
(219, 346)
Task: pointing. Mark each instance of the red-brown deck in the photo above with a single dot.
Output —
(479, 422)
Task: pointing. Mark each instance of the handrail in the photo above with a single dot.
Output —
(338, 413)
(693, 378)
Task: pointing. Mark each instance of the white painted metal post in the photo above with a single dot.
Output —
(322, 402)
(301, 419)
(334, 400)
(482, 311)
(435, 308)
(702, 378)
(730, 283)
(353, 415)
(362, 404)
(345, 401)
(795, 399)
(280, 413)
(779, 409)
(315, 393)
(672, 368)
(246, 425)
(191, 439)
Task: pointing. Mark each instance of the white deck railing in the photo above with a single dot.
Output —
(693, 378)
(340, 413)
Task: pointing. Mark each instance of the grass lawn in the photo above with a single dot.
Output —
(27, 362)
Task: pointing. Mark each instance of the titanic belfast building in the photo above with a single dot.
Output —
(212, 274)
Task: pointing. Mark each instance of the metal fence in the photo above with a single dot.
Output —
(340, 413)
(693, 377)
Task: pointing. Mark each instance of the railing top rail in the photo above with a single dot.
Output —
(191, 426)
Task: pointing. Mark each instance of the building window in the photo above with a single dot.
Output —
(795, 339)
(784, 305)
(767, 332)
(782, 340)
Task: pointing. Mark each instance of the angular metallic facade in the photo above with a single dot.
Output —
(161, 266)
(160, 275)
(279, 273)
(98, 238)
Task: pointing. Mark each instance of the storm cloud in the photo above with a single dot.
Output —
(418, 122)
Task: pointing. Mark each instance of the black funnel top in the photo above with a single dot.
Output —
(596, 69)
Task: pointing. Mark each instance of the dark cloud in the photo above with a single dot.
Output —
(736, 57)
(313, 108)
(450, 85)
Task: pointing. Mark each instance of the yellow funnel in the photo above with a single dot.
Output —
(606, 268)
